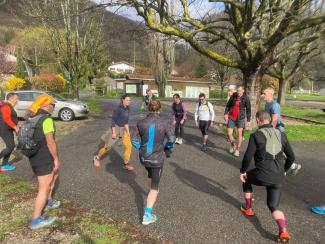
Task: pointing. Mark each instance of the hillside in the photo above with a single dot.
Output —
(122, 34)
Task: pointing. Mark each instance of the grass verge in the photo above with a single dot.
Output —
(305, 97)
(295, 133)
(304, 113)
(75, 224)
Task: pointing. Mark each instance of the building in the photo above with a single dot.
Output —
(122, 67)
(185, 87)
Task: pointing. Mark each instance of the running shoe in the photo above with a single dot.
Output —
(236, 153)
(204, 148)
(96, 162)
(52, 204)
(41, 222)
(149, 219)
(319, 210)
(247, 211)
(180, 141)
(232, 150)
(128, 167)
(7, 167)
(284, 237)
(294, 171)
(177, 141)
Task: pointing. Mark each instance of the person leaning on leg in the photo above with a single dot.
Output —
(267, 146)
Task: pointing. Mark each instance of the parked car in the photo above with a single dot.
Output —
(65, 110)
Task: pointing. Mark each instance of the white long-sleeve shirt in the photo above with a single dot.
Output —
(204, 112)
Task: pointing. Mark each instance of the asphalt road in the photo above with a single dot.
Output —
(200, 193)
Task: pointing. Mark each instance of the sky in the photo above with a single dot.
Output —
(198, 8)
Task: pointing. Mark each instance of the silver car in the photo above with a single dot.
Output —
(65, 109)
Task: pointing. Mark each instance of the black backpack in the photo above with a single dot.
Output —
(26, 141)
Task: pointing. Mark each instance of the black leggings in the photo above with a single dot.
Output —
(273, 192)
(179, 128)
(8, 138)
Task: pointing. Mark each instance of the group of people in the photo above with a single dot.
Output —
(154, 140)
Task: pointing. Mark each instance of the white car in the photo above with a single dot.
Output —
(65, 109)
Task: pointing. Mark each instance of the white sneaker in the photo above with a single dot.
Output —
(177, 141)
(180, 141)
(236, 153)
(232, 150)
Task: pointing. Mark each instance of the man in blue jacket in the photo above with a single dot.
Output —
(152, 133)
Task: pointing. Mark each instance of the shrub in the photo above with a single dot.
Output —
(13, 83)
(49, 82)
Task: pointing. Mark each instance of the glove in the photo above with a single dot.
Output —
(136, 144)
(169, 145)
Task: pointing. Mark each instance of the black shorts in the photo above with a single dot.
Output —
(154, 174)
(204, 126)
(41, 170)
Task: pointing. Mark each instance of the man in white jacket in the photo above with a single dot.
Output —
(204, 117)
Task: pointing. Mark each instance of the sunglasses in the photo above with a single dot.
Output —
(201, 99)
(53, 105)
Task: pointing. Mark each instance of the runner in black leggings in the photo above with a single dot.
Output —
(267, 145)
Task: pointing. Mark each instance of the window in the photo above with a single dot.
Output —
(26, 96)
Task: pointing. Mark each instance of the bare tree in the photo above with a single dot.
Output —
(253, 28)
(76, 37)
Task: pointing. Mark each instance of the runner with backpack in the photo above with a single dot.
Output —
(204, 117)
(179, 112)
(8, 126)
(274, 109)
(268, 146)
(36, 141)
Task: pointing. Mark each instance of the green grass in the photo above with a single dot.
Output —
(305, 97)
(75, 223)
(94, 105)
(304, 113)
(296, 133)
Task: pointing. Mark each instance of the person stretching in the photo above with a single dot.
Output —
(268, 146)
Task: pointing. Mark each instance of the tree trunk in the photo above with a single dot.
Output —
(161, 81)
(282, 91)
(222, 92)
(252, 83)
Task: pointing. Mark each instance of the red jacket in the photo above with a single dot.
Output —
(8, 116)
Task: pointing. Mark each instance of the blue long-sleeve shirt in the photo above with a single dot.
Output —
(120, 116)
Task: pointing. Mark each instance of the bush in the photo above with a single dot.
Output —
(49, 82)
(14, 83)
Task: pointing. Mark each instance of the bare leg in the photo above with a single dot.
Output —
(152, 197)
(55, 176)
(239, 137)
(230, 134)
(44, 184)
(205, 139)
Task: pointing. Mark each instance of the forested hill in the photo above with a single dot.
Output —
(123, 35)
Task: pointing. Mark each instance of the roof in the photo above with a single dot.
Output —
(171, 78)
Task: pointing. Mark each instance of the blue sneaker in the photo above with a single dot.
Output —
(8, 167)
(318, 210)
(52, 204)
(41, 222)
(149, 219)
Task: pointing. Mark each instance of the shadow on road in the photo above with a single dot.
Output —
(126, 177)
(195, 141)
(213, 188)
